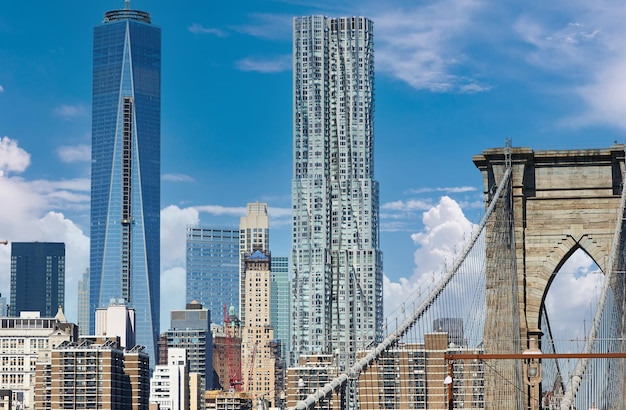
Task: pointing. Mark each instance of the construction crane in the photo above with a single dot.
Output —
(234, 371)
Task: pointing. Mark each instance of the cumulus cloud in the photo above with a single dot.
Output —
(30, 211)
(445, 228)
(196, 28)
(12, 157)
(174, 222)
(572, 296)
(570, 300)
(77, 153)
(263, 65)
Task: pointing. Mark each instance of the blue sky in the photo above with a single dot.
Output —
(453, 77)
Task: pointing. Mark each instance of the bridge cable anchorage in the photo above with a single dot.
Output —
(392, 339)
(614, 258)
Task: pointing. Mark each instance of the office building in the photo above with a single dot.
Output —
(190, 329)
(37, 277)
(254, 234)
(260, 358)
(279, 304)
(213, 268)
(93, 374)
(169, 385)
(117, 320)
(336, 274)
(125, 170)
(23, 341)
(82, 306)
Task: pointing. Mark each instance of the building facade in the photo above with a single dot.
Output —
(254, 234)
(93, 375)
(336, 261)
(24, 341)
(117, 320)
(261, 362)
(213, 268)
(82, 306)
(190, 329)
(37, 277)
(169, 385)
(125, 169)
(279, 304)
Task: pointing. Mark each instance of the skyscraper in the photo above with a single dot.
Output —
(336, 261)
(191, 330)
(213, 268)
(279, 303)
(254, 234)
(37, 277)
(125, 169)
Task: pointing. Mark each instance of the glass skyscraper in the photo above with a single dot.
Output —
(337, 275)
(37, 277)
(125, 170)
(213, 268)
(279, 302)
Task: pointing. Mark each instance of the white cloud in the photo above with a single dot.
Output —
(587, 51)
(445, 228)
(12, 157)
(177, 178)
(69, 111)
(274, 65)
(269, 26)
(1, 89)
(423, 46)
(174, 222)
(570, 300)
(222, 210)
(199, 29)
(410, 205)
(77, 153)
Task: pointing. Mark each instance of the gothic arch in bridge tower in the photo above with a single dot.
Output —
(561, 201)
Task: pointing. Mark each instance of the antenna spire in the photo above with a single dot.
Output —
(127, 4)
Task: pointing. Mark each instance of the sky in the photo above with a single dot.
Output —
(453, 78)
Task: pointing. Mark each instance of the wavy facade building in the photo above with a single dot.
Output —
(336, 261)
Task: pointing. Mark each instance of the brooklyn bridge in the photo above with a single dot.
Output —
(478, 335)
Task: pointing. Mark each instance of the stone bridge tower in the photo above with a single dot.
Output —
(558, 202)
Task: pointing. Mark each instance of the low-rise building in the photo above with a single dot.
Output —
(23, 341)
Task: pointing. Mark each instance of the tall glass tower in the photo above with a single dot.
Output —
(125, 170)
(336, 294)
(213, 268)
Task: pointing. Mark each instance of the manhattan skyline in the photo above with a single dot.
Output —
(453, 78)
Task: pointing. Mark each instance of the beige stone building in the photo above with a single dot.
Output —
(259, 355)
(23, 341)
(254, 233)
